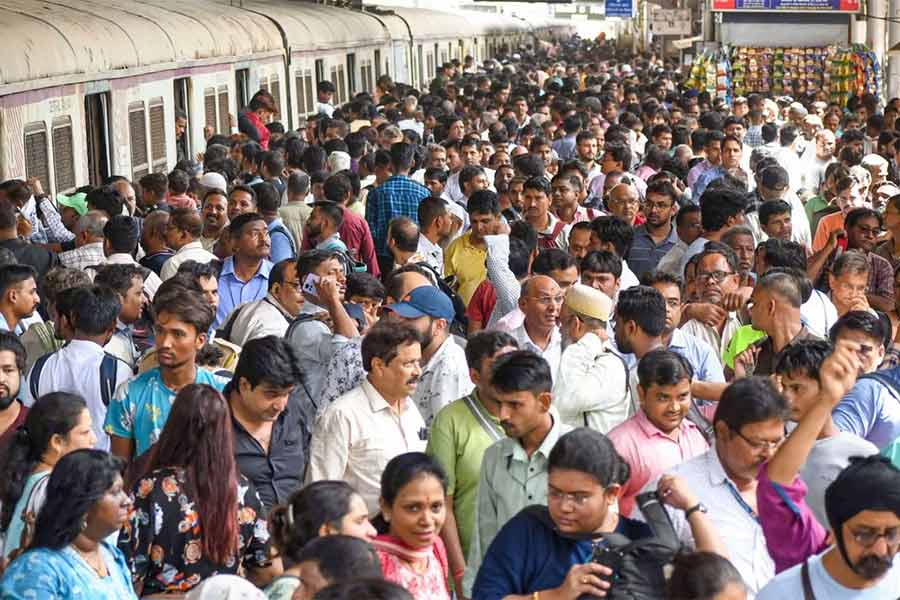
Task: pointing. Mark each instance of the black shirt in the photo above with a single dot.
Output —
(155, 261)
(276, 474)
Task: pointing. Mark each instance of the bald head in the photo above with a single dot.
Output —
(539, 284)
(541, 301)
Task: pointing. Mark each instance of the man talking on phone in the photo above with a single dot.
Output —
(322, 320)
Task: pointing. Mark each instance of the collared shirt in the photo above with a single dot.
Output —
(886, 251)
(467, 262)
(553, 353)
(768, 358)
(277, 472)
(506, 286)
(151, 281)
(707, 364)
(399, 196)
(332, 243)
(453, 190)
(444, 378)
(458, 440)
(234, 292)
(565, 148)
(509, 481)
(294, 216)
(85, 256)
(38, 231)
(591, 387)
(258, 319)
(344, 371)
(356, 437)
(282, 242)
(649, 452)
(871, 409)
(731, 517)
(191, 251)
(55, 231)
(434, 254)
(75, 369)
(711, 335)
(645, 253)
(695, 173)
(671, 261)
(753, 136)
(818, 313)
(140, 407)
(121, 345)
(314, 343)
(155, 261)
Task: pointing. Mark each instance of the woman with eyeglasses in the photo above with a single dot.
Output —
(546, 551)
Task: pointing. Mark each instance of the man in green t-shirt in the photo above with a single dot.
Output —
(460, 434)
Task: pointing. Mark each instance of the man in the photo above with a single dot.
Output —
(514, 469)
(443, 379)
(241, 199)
(153, 241)
(470, 153)
(659, 436)
(602, 271)
(120, 239)
(717, 280)
(270, 434)
(398, 196)
(614, 235)
(323, 226)
(325, 91)
(435, 228)
(273, 314)
(741, 241)
(18, 296)
(863, 226)
(363, 430)
(245, 275)
(88, 250)
(565, 146)
(712, 149)
(749, 425)
(869, 332)
(268, 199)
(459, 436)
(403, 241)
(579, 239)
(657, 236)
(536, 194)
(775, 219)
(296, 211)
(773, 183)
(323, 282)
(128, 282)
(38, 257)
(640, 321)
(818, 161)
(688, 226)
(154, 190)
(82, 367)
(848, 282)
(623, 201)
(183, 232)
(540, 301)
(12, 369)
(587, 146)
(732, 151)
(181, 141)
(591, 387)
(140, 407)
(466, 255)
(354, 230)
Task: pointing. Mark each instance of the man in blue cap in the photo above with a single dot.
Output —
(445, 376)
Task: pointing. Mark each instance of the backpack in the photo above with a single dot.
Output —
(108, 368)
(280, 228)
(460, 325)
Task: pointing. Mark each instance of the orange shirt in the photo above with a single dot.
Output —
(827, 224)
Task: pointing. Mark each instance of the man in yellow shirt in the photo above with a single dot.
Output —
(465, 257)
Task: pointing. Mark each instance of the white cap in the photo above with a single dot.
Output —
(589, 302)
(214, 180)
(338, 161)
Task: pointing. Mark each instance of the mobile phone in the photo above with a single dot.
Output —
(309, 284)
(608, 557)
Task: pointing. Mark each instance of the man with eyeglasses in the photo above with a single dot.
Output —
(540, 301)
(863, 226)
(749, 426)
(862, 506)
(657, 235)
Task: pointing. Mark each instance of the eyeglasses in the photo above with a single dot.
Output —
(759, 444)
(717, 276)
(558, 497)
(868, 537)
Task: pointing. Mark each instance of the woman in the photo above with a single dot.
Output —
(413, 487)
(69, 558)
(704, 576)
(547, 551)
(320, 509)
(194, 515)
(57, 424)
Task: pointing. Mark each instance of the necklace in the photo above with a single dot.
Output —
(100, 569)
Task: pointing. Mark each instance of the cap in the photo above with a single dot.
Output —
(589, 302)
(813, 120)
(338, 161)
(214, 181)
(78, 202)
(775, 178)
(425, 301)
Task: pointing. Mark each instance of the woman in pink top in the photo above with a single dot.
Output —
(413, 487)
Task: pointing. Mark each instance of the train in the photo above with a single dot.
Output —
(90, 88)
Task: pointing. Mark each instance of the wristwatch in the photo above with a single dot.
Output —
(697, 507)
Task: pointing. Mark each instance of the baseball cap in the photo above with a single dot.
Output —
(775, 178)
(589, 302)
(338, 161)
(214, 181)
(425, 301)
(77, 202)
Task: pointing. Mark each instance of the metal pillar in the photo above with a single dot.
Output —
(892, 71)
(876, 28)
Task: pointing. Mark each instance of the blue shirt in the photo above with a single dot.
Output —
(645, 253)
(141, 406)
(233, 292)
(282, 242)
(399, 196)
(871, 410)
(527, 556)
(63, 575)
(703, 359)
(704, 180)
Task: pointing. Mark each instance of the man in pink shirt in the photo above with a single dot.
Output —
(659, 436)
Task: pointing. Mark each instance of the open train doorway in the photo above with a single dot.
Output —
(97, 134)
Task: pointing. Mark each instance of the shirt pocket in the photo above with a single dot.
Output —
(371, 454)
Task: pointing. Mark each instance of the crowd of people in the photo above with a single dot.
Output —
(555, 328)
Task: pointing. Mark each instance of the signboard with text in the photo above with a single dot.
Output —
(788, 5)
(675, 21)
(620, 8)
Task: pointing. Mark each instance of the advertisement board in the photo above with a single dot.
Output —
(787, 5)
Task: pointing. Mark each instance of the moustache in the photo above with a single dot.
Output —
(873, 567)
(412, 381)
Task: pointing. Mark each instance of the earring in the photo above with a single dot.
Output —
(84, 524)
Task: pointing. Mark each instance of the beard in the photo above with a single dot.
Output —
(872, 567)
(7, 397)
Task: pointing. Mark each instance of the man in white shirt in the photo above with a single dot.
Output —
(270, 315)
(363, 430)
(445, 375)
(324, 95)
(127, 281)
(121, 235)
(540, 301)
(82, 367)
(435, 227)
(183, 236)
(470, 153)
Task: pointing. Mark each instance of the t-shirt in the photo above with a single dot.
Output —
(789, 584)
(482, 303)
(826, 460)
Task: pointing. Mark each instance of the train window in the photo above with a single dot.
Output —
(224, 110)
(275, 90)
(310, 92)
(209, 107)
(158, 136)
(263, 84)
(430, 71)
(320, 70)
(137, 130)
(377, 64)
(242, 86)
(96, 121)
(334, 82)
(351, 74)
(37, 163)
(421, 68)
(301, 93)
(63, 155)
(182, 103)
(342, 86)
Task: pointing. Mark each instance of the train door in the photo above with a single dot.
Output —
(377, 65)
(351, 76)
(183, 105)
(96, 120)
(242, 87)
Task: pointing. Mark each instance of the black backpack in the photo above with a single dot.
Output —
(460, 325)
(108, 367)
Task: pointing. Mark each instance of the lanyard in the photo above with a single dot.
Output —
(482, 419)
(741, 501)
